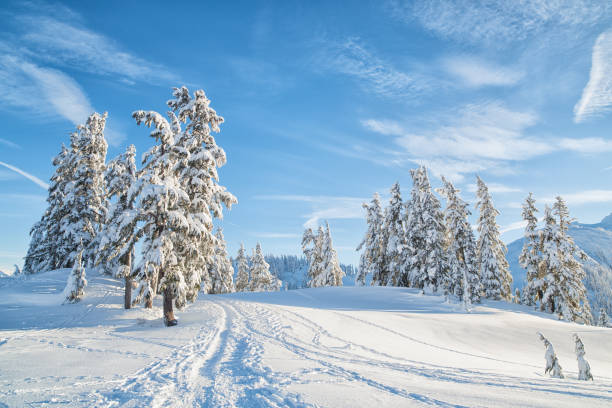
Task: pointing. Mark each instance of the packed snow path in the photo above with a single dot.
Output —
(328, 347)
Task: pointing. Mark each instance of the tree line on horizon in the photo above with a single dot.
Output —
(420, 245)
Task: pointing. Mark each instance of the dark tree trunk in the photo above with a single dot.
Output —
(127, 299)
(169, 319)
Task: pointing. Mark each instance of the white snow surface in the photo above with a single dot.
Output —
(323, 347)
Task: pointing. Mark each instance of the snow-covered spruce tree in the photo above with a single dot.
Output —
(261, 279)
(393, 238)
(74, 290)
(332, 273)
(604, 320)
(372, 259)
(179, 197)
(198, 169)
(491, 251)
(584, 369)
(552, 362)
(312, 246)
(162, 203)
(115, 242)
(199, 157)
(530, 255)
(47, 251)
(85, 196)
(425, 259)
(564, 291)
(38, 257)
(221, 270)
(242, 278)
(460, 245)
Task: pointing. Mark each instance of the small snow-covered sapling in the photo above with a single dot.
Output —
(552, 362)
(584, 369)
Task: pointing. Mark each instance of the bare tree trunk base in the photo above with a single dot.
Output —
(127, 301)
(169, 319)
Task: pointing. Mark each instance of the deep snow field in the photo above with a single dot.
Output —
(328, 347)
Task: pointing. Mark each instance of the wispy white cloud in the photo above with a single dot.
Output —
(586, 145)
(9, 144)
(274, 235)
(513, 226)
(478, 137)
(373, 73)
(324, 207)
(477, 72)
(43, 90)
(45, 40)
(500, 20)
(26, 175)
(583, 197)
(495, 188)
(101, 55)
(485, 131)
(384, 127)
(596, 97)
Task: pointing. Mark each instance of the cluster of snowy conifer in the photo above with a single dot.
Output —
(324, 267)
(97, 212)
(417, 244)
(253, 273)
(550, 257)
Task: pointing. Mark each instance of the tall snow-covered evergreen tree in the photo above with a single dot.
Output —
(179, 195)
(221, 270)
(85, 196)
(198, 158)
(38, 257)
(460, 245)
(425, 259)
(312, 246)
(47, 251)
(76, 205)
(261, 279)
(162, 203)
(244, 272)
(492, 264)
(372, 257)
(604, 320)
(74, 290)
(332, 274)
(394, 240)
(563, 288)
(530, 255)
(115, 242)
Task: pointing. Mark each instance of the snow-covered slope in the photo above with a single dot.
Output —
(328, 347)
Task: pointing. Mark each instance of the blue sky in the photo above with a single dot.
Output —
(325, 103)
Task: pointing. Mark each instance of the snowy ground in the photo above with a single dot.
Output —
(330, 347)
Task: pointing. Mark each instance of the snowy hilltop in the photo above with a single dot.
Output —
(317, 347)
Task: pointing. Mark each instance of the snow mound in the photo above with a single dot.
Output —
(329, 347)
